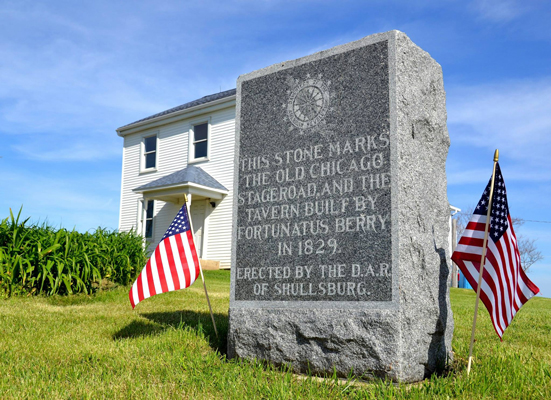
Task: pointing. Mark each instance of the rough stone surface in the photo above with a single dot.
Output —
(423, 142)
(364, 342)
(387, 313)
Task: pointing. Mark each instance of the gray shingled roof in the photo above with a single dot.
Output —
(190, 174)
(202, 100)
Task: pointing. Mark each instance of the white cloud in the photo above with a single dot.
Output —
(513, 116)
(62, 72)
(499, 10)
(80, 151)
(62, 87)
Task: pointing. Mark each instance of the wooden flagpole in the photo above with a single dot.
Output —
(482, 259)
(201, 269)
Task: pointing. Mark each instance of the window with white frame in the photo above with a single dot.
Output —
(200, 141)
(147, 218)
(149, 153)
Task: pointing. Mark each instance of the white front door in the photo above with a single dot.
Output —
(197, 211)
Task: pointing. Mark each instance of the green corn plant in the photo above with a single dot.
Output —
(39, 259)
(45, 275)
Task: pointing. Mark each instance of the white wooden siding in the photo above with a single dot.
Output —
(197, 211)
(172, 155)
(220, 167)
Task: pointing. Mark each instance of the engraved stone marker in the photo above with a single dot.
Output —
(340, 240)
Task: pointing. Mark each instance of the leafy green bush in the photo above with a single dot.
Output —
(38, 259)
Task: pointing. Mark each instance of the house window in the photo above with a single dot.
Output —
(200, 141)
(147, 219)
(149, 152)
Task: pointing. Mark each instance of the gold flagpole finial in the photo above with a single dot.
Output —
(496, 155)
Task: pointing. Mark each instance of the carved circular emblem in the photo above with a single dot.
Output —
(308, 103)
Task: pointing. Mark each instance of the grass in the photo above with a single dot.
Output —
(96, 347)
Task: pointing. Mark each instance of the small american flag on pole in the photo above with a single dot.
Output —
(173, 265)
(505, 287)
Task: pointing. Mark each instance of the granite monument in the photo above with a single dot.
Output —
(340, 238)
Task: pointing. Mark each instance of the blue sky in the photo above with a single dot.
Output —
(72, 72)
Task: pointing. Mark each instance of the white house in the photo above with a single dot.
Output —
(187, 150)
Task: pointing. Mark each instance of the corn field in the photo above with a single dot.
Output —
(38, 259)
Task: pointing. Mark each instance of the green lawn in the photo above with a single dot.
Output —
(97, 347)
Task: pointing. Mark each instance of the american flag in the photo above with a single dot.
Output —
(505, 286)
(173, 265)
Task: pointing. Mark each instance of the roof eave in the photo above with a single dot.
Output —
(177, 115)
(181, 186)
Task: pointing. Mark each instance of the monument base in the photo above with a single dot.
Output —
(318, 341)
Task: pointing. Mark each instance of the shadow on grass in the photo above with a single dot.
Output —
(200, 322)
(137, 329)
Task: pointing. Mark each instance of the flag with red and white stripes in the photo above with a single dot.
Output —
(173, 265)
(505, 287)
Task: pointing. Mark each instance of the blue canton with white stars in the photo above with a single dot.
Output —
(179, 225)
(500, 208)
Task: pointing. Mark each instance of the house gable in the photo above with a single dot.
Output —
(172, 128)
